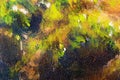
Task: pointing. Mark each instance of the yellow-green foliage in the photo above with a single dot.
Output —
(113, 3)
(17, 37)
(93, 23)
(3, 10)
(76, 39)
(71, 2)
(75, 19)
(88, 27)
(12, 0)
(95, 1)
(53, 14)
(24, 20)
(33, 45)
(93, 17)
(8, 19)
(58, 53)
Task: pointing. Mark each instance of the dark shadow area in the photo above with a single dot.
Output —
(10, 51)
(48, 71)
(4, 71)
(35, 22)
(74, 65)
(87, 65)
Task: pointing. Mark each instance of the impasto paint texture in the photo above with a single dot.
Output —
(59, 39)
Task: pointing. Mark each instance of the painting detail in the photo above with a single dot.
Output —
(59, 40)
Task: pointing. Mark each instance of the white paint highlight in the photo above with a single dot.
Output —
(110, 34)
(25, 36)
(14, 8)
(111, 24)
(64, 49)
(21, 46)
(23, 11)
(85, 16)
(48, 5)
(119, 27)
